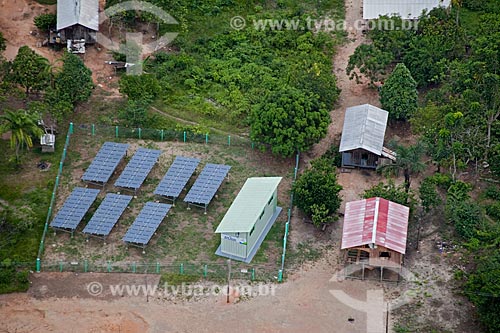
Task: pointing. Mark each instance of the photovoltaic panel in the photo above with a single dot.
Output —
(74, 208)
(177, 176)
(105, 162)
(138, 168)
(207, 184)
(108, 213)
(146, 223)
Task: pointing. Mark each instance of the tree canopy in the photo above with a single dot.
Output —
(30, 70)
(399, 95)
(317, 191)
(289, 121)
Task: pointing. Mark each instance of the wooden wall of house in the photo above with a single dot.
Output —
(379, 256)
(361, 158)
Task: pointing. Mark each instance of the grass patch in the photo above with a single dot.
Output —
(176, 279)
(47, 2)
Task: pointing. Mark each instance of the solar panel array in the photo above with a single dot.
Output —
(107, 214)
(105, 162)
(146, 223)
(177, 176)
(207, 184)
(74, 208)
(138, 168)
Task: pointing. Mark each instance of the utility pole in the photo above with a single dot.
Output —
(228, 278)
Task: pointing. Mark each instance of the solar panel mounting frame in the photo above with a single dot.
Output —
(137, 169)
(179, 173)
(212, 175)
(102, 161)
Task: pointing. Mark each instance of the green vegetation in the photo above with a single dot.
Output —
(317, 192)
(175, 279)
(399, 94)
(45, 21)
(30, 70)
(22, 127)
(390, 191)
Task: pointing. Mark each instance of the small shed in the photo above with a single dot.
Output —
(374, 234)
(77, 22)
(362, 142)
(407, 9)
(249, 219)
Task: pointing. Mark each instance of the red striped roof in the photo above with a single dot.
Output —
(375, 221)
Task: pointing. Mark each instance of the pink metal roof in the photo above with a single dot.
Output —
(375, 220)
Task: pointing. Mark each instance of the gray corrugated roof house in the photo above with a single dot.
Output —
(77, 24)
(362, 141)
(82, 12)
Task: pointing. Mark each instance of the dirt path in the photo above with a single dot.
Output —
(352, 93)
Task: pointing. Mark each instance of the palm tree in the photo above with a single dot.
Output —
(22, 126)
(408, 160)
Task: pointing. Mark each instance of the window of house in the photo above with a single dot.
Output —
(262, 214)
(251, 231)
(270, 200)
(237, 234)
(385, 255)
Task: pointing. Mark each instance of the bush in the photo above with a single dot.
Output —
(492, 192)
(45, 21)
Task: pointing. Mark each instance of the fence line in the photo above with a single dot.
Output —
(287, 225)
(53, 198)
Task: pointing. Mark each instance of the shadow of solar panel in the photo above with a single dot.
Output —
(207, 184)
(108, 213)
(105, 162)
(177, 176)
(146, 223)
(138, 168)
(74, 208)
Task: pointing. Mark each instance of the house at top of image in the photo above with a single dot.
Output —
(249, 219)
(407, 9)
(362, 142)
(77, 24)
(374, 235)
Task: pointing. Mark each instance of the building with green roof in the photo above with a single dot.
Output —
(249, 219)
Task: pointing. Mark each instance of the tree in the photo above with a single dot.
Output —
(370, 61)
(30, 70)
(22, 126)
(289, 120)
(317, 191)
(399, 95)
(428, 194)
(135, 113)
(408, 160)
(74, 83)
(45, 21)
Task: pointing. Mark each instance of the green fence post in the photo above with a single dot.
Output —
(205, 271)
(116, 131)
(134, 267)
(109, 267)
(161, 135)
(253, 145)
(38, 264)
(60, 166)
(280, 275)
(181, 269)
(85, 265)
(139, 132)
(184, 136)
(206, 138)
(157, 268)
(229, 140)
(60, 266)
(253, 274)
(70, 128)
(93, 129)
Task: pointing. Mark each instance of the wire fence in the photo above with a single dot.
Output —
(192, 136)
(206, 270)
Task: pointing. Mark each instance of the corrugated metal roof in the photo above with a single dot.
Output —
(375, 221)
(364, 127)
(83, 12)
(407, 9)
(248, 205)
